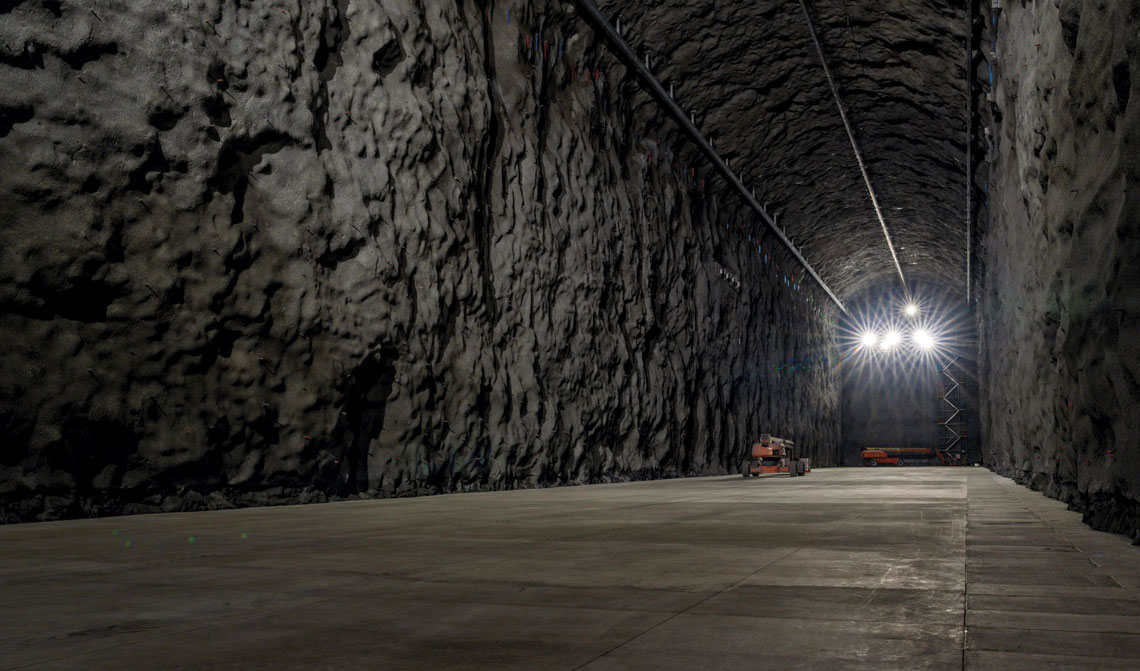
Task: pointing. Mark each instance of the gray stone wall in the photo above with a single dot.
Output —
(1060, 305)
(257, 253)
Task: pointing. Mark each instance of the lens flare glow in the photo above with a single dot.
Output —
(869, 339)
(911, 310)
(922, 339)
(891, 339)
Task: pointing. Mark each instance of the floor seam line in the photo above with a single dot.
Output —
(735, 584)
(965, 571)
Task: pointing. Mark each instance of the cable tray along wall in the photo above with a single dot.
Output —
(626, 55)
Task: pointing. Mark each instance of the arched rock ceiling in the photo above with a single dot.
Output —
(750, 72)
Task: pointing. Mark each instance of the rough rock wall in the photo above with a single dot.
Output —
(1060, 309)
(749, 72)
(278, 252)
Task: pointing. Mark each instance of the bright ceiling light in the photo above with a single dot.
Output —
(891, 340)
(869, 339)
(923, 339)
(911, 309)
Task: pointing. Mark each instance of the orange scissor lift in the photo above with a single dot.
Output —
(774, 455)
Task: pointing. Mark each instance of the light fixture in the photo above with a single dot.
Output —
(891, 339)
(911, 309)
(923, 339)
(869, 339)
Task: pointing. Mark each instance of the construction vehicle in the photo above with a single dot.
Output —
(901, 456)
(774, 455)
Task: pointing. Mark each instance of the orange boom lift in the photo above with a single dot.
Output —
(899, 456)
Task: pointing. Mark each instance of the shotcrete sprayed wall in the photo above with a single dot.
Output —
(1060, 306)
(285, 252)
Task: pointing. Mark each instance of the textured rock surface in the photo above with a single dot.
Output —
(751, 75)
(278, 252)
(1060, 312)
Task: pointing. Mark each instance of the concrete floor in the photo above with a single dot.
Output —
(904, 568)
